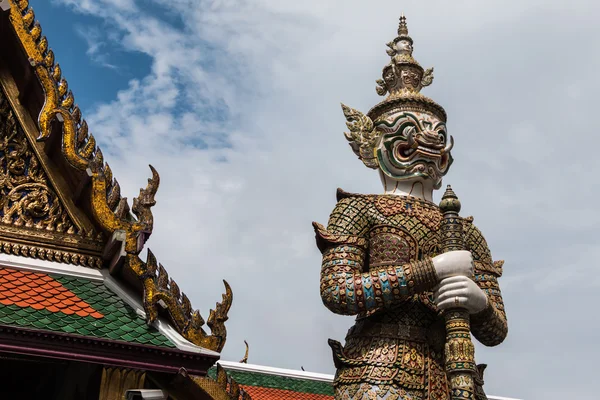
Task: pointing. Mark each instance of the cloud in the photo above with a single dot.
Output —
(96, 47)
(240, 115)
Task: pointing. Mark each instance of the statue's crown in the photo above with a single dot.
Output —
(403, 78)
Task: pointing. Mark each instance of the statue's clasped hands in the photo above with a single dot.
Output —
(456, 288)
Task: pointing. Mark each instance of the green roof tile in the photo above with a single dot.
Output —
(119, 322)
(300, 385)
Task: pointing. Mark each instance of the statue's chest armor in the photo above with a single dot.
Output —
(402, 230)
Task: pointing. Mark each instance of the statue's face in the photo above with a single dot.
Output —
(404, 47)
(414, 146)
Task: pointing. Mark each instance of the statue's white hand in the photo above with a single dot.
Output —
(460, 292)
(453, 263)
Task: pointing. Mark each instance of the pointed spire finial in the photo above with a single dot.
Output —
(402, 28)
(450, 202)
(245, 359)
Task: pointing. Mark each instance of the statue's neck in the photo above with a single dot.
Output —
(419, 189)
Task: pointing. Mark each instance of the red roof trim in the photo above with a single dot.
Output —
(262, 393)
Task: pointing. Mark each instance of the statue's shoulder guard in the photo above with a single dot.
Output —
(342, 230)
(478, 246)
(341, 194)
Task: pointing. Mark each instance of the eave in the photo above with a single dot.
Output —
(99, 351)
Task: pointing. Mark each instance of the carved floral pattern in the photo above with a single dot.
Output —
(26, 196)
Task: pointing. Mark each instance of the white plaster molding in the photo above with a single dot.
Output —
(49, 267)
(163, 327)
(146, 394)
(289, 373)
(501, 398)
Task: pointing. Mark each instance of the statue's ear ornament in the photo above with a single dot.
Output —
(392, 49)
(363, 136)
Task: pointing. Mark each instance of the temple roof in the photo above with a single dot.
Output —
(268, 383)
(54, 310)
(67, 304)
(60, 203)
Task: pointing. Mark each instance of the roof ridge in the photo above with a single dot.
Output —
(78, 146)
(288, 373)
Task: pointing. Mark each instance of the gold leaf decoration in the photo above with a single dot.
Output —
(27, 198)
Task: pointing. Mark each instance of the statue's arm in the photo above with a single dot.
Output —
(345, 288)
(489, 326)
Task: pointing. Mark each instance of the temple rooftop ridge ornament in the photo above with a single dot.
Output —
(403, 78)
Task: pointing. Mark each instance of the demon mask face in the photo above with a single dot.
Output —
(406, 145)
(404, 135)
(413, 145)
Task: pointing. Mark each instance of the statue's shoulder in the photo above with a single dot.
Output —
(479, 247)
(355, 201)
(341, 194)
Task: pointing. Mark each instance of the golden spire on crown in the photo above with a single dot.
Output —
(403, 28)
(403, 77)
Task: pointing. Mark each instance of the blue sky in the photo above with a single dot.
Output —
(98, 63)
(91, 82)
(236, 104)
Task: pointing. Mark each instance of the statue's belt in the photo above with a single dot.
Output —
(434, 334)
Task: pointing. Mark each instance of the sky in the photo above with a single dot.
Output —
(237, 104)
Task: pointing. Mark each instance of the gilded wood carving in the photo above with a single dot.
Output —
(109, 209)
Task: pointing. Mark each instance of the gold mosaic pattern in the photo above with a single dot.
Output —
(490, 326)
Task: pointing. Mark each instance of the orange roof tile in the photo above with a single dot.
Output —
(261, 393)
(40, 291)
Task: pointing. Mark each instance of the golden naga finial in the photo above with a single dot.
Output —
(216, 323)
(161, 292)
(145, 201)
(245, 359)
(113, 219)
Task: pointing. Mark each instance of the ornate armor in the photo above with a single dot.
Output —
(377, 252)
